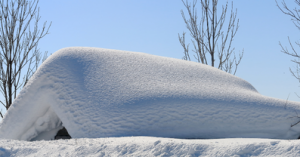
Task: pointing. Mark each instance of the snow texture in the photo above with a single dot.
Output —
(150, 147)
(96, 92)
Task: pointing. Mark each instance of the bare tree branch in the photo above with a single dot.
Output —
(208, 34)
(18, 45)
(295, 18)
(185, 47)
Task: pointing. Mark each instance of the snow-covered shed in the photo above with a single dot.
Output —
(95, 92)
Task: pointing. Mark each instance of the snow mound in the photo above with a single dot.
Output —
(96, 92)
(150, 146)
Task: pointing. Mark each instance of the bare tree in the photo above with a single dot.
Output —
(295, 17)
(210, 41)
(18, 45)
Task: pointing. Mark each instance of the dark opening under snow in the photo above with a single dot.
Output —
(95, 92)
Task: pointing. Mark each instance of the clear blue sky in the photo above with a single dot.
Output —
(152, 27)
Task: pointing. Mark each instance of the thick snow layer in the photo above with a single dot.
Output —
(98, 92)
(150, 146)
(47, 125)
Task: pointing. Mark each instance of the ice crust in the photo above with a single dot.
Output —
(98, 92)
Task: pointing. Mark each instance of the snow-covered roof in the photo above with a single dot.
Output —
(96, 92)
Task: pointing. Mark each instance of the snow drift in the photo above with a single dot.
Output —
(151, 147)
(96, 92)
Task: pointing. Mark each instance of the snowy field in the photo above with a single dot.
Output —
(152, 146)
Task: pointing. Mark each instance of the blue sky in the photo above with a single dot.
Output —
(152, 27)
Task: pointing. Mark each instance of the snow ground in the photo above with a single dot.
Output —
(151, 146)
